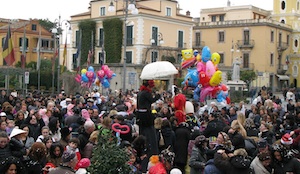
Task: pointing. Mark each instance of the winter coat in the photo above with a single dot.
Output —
(158, 169)
(292, 165)
(258, 167)
(237, 140)
(5, 152)
(197, 160)
(234, 165)
(169, 138)
(33, 167)
(28, 142)
(17, 147)
(268, 136)
(213, 128)
(181, 144)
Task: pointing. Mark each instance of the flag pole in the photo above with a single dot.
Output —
(39, 61)
(23, 61)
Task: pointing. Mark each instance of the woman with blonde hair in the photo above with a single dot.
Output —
(241, 118)
(88, 149)
(237, 126)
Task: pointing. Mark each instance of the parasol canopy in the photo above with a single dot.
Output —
(158, 70)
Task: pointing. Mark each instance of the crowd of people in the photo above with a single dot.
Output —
(168, 132)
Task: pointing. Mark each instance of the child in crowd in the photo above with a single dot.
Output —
(10, 126)
(73, 146)
(45, 134)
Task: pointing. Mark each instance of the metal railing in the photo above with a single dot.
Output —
(281, 46)
(245, 43)
(198, 44)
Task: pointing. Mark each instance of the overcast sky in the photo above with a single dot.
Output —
(43, 9)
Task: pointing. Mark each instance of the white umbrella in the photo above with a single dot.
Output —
(158, 70)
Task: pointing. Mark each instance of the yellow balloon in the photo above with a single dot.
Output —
(198, 58)
(187, 54)
(83, 71)
(216, 79)
(215, 58)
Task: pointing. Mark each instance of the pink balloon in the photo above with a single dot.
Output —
(90, 74)
(109, 74)
(100, 74)
(105, 68)
(205, 91)
(201, 66)
(210, 68)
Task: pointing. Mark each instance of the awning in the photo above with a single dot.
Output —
(283, 77)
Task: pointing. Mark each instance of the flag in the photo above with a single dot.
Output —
(38, 50)
(78, 53)
(64, 56)
(24, 47)
(8, 53)
(91, 51)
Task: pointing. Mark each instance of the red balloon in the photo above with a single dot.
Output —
(227, 100)
(215, 91)
(90, 74)
(100, 74)
(224, 87)
(122, 129)
(203, 79)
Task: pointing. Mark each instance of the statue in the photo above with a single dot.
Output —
(236, 70)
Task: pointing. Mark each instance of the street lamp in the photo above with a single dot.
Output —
(129, 6)
(159, 38)
(57, 31)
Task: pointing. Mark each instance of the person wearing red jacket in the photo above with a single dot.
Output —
(179, 104)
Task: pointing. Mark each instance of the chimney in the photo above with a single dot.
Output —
(228, 3)
(188, 13)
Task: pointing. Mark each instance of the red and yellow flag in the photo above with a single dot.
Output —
(8, 53)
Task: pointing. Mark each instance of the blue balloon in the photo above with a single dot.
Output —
(220, 97)
(196, 95)
(196, 52)
(105, 83)
(114, 75)
(91, 69)
(84, 78)
(206, 55)
(191, 78)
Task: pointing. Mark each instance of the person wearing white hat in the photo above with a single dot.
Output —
(3, 116)
(16, 144)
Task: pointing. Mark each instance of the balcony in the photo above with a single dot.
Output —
(129, 41)
(282, 69)
(245, 44)
(44, 50)
(247, 66)
(282, 46)
(198, 45)
(181, 44)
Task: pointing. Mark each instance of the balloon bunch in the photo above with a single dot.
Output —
(87, 77)
(206, 77)
(189, 58)
(105, 74)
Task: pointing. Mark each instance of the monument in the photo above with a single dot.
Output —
(235, 84)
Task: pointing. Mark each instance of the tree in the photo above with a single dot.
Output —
(48, 25)
(248, 76)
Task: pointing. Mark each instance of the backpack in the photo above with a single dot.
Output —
(161, 139)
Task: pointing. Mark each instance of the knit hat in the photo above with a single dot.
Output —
(200, 140)
(167, 156)
(84, 163)
(68, 156)
(286, 139)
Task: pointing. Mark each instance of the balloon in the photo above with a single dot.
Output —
(196, 52)
(91, 68)
(215, 91)
(187, 54)
(228, 100)
(90, 74)
(122, 129)
(204, 92)
(201, 66)
(105, 68)
(197, 91)
(210, 68)
(198, 58)
(206, 55)
(191, 78)
(114, 75)
(78, 78)
(100, 74)
(83, 71)
(216, 78)
(220, 97)
(188, 62)
(109, 74)
(203, 79)
(105, 83)
(224, 87)
(84, 78)
(215, 58)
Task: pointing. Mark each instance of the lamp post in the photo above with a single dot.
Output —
(159, 38)
(57, 31)
(134, 10)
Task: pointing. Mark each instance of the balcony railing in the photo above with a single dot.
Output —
(44, 49)
(181, 44)
(245, 44)
(281, 69)
(198, 44)
(281, 46)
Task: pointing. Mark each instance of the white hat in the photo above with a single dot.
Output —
(2, 114)
(16, 131)
(189, 107)
(175, 171)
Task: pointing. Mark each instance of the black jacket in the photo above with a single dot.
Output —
(169, 138)
(17, 148)
(213, 128)
(5, 152)
(234, 165)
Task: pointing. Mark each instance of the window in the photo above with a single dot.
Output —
(221, 36)
(168, 11)
(33, 27)
(221, 17)
(180, 39)
(21, 42)
(246, 37)
(45, 44)
(296, 43)
(3, 41)
(154, 35)
(101, 58)
(74, 61)
(198, 39)
(214, 18)
(271, 59)
(102, 11)
(282, 21)
(154, 56)
(221, 58)
(101, 37)
(246, 60)
(280, 39)
(77, 38)
(288, 39)
(272, 36)
(298, 5)
(129, 35)
(179, 57)
(128, 56)
(282, 5)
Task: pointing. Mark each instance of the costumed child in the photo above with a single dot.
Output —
(73, 146)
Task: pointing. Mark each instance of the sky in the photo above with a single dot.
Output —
(45, 9)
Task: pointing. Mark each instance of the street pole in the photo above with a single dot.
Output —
(58, 59)
(53, 61)
(125, 44)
